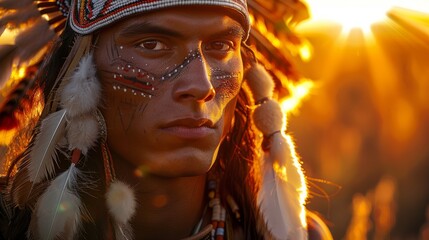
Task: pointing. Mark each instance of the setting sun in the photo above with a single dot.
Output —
(359, 14)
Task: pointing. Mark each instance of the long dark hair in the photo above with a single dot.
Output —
(238, 160)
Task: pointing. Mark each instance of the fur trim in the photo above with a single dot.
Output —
(82, 133)
(121, 202)
(82, 93)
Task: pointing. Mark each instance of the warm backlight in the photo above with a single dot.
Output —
(359, 14)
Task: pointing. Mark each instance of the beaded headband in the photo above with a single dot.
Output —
(86, 16)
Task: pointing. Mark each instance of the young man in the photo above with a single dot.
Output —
(147, 133)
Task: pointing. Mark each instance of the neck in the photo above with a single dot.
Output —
(167, 208)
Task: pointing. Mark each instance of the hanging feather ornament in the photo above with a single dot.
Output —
(122, 206)
(44, 152)
(59, 209)
(283, 191)
(82, 94)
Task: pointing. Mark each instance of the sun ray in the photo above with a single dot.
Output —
(360, 14)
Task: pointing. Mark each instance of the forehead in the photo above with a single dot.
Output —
(190, 20)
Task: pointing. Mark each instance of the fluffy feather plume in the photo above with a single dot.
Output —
(7, 55)
(283, 191)
(82, 93)
(82, 133)
(121, 202)
(122, 206)
(260, 82)
(269, 117)
(43, 154)
(59, 209)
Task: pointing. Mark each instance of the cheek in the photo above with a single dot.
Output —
(227, 90)
(122, 111)
(126, 78)
(227, 78)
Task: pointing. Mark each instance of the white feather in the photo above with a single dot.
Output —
(43, 154)
(283, 192)
(123, 232)
(121, 202)
(82, 93)
(59, 209)
(82, 133)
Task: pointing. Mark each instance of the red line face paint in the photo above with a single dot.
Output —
(139, 82)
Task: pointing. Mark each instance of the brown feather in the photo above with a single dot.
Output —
(2, 27)
(279, 18)
(32, 40)
(14, 4)
(16, 18)
(17, 106)
(7, 56)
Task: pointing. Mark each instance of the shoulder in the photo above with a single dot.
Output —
(317, 229)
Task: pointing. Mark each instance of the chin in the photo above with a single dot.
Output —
(183, 164)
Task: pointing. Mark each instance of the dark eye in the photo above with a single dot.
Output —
(154, 45)
(220, 45)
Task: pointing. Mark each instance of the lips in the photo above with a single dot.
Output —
(190, 128)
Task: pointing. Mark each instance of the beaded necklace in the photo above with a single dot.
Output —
(216, 230)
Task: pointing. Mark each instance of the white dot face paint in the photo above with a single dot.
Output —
(139, 80)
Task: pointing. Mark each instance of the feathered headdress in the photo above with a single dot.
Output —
(74, 125)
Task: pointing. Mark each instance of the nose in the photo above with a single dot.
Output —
(194, 83)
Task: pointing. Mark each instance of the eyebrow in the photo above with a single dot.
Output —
(233, 31)
(147, 27)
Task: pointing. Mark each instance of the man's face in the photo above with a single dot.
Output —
(170, 80)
